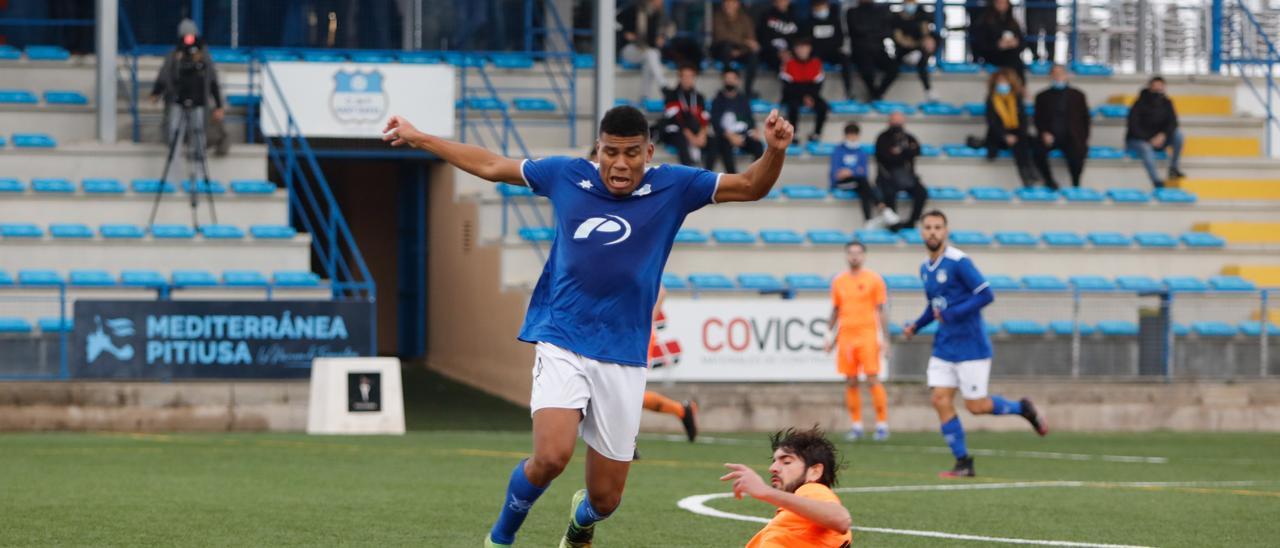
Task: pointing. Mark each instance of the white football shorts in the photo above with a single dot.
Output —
(610, 396)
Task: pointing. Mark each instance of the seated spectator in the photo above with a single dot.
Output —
(1153, 125)
(915, 41)
(733, 125)
(1007, 123)
(643, 35)
(828, 40)
(851, 170)
(802, 79)
(868, 25)
(1042, 28)
(777, 29)
(685, 120)
(1062, 122)
(998, 39)
(896, 152)
(733, 40)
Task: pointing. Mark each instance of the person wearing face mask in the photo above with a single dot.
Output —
(1153, 125)
(777, 30)
(896, 152)
(1007, 124)
(824, 29)
(733, 125)
(998, 39)
(868, 24)
(1062, 122)
(685, 120)
(915, 41)
(851, 170)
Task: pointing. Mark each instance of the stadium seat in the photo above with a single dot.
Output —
(1113, 111)
(975, 108)
(903, 282)
(960, 68)
(121, 231)
(1001, 282)
(584, 61)
(172, 232)
(1141, 284)
(1109, 239)
(795, 150)
(1015, 238)
(221, 232)
(827, 237)
(204, 187)
(875, 237)
(653, 106)
(911, 236)
(807, 282)
(773, 194)
(485, 103)
(511, 61)
(1213, 329)
(930, 151)
(9, 324)
(1044, 282)
(1128, 196)
(990, 194)
(1174, 196)
(537, 234)
(33, 140)
(1085, 282)
(515, 190)
(250, 186)
(8, 184)
(65, 97)
(54, 324)
(9, 53)
(323, 57)
(970, 237)
(192, 278)
(1118, 328)
(6, 280)
(1185, 284)
(418, 58)
(272, 232)
(17, 97)
(732, 236)
(1022, 327)
(101, 186)
(1037, 194)
(844, 194)
(463, 59)
(228, 56)
(1202, 240)
(1154, 239)
(1092, 69)
(70, 230)
(816, 148)
(931, 329)
(1068, 327)
(141, 278)
(759, 282)
(1253, 328)
(244, 278)
(710, 282)
(691, 236)
(940, 109)
(1058, 238)
(673, 282)
(295, 278)
(1179, 329)
(962, 151)
(781, 237)
(47, 53)
(49, 185)
(1087, 195)
(20, 230)
(803, 192)
(848, 107)
(1101, 152)
(151, 186)
(91, 278)
(1230, 283)
(946, 194)
(760, 106)
(39, 278)
(533, 104)
(889, 107)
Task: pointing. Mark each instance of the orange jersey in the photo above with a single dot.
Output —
(790, 530)
(858, 298)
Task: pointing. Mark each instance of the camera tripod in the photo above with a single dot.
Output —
(193, 135)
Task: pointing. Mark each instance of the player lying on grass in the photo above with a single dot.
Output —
(800, 479)
(591, 311)
(956, 293)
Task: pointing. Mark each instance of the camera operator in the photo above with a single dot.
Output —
(188, 82)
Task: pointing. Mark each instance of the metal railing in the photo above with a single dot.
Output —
(1249, 52)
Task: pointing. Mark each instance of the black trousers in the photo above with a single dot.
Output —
(727, 153)
(726, 53)
(922, 66)
(1075, 156)
(868, 194)
(899, 179)
(838, 58)
(1009, 58)
(795, 99)
(1042, 21)
(871, 58)
(684, 149)
(1022, 155)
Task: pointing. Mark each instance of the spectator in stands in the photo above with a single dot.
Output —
(915, 41)
(998, 39)
(802, 78)
(188, 80)
(824, 29)
(1062, 122)
(1007, 126)
(1042, 28)
(777, 29)
(734, 126)
(1153, 125)
(685, 120)
(851, 170)
(643, 35)
(896, 152)
(733, 40)
(868, 25)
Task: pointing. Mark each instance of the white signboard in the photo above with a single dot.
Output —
(355, 100)
(355, 396)
(747, 340)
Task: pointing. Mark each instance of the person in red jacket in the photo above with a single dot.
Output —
(802, 79)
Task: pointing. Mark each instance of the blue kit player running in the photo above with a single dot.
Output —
(961, 359)
(591, 312)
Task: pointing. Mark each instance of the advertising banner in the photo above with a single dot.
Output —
(355, 100)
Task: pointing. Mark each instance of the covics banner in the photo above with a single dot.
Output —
(208, 339)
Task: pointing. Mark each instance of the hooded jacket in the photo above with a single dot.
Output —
(1152, 113)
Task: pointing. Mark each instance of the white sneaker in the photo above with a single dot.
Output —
(854, 434)
(930, 96)
(882, 432)
(875, 223)
(889, 216)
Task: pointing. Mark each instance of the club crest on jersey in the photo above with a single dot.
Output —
(609, 224)
(942, 276)
(643, 191)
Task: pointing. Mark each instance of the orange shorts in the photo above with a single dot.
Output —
(858, 355)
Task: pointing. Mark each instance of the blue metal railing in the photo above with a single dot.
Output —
(1241, 50)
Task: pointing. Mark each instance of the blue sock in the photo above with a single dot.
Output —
(1001, 406)
(520, 498)
(954, 434)
(586, 515)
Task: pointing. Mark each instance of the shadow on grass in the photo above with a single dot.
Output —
(433, 402)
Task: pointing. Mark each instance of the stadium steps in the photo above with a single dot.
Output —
(1220, 146)
(1186, 105)
(1260, 275)
(1231, 188)
(1242, 232)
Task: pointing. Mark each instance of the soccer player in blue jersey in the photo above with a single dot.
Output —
(592, 309)
(961, 360)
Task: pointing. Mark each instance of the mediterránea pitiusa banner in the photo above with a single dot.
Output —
(206, 339)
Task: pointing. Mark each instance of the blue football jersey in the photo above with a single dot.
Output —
(598, 288)
(949, 282)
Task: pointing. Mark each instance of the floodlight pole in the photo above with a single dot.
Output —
(606, 48)
(107, 25)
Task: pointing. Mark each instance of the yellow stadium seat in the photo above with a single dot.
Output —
(1231, 189)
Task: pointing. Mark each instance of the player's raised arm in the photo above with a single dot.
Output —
(469, 158)
(830, 515)
(756, 182)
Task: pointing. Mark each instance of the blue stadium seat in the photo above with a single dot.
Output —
(940, 109)
(1213, 329)
(70, 230)
(172, 232)
(903, 282)
(419, 58)
(931, 329)
(1118, 328)
(463, 59)
(121, 231)
(101, 186)
(1023, 327)
(39, 278)
(890, 107)
(1102, 152)
(1015, 238)
(1002, 282)
(1253, 328)
(1185, 284)
(1202, 239)
(54, 324)
(1113, 111)
(228, 56)
(584, 61)
(150, 186)
(204, 187)
(272, 232)
(653, 106)
(1154, 239)
(295, 278)
(708, 281)
(142, 278)
(1230, 283)
(9, 184)
(970, 237)
(962, 151)
(1141, 284)
(673, 282)
(533, 104)
(511, 61)
(911, 236)
(946, 193)
(734, 236)
(485, 103)
(1109, 239)
(514, 190)
(843, 194)
(244, 278)
(9, 53)
(1128, 196)
(9, 324)
(875, 237)
(192, 278)
(1059, 238)
(1037, 194)
(65, 97)
(1067, 328)
(327, 56)
(781, 237)
(848, 107)
(960, 68)
(47, 53)
(20, 230)
(930, 151)
(803, 192)
(990, 194)
(691, 236)
(817, 148)
(5, 279)
(52, 185)
(1073, 194)
(33, 140)
(18, 97)
(827, 237)
(1044, 282)
(807, 282)
(537, 234)
(1179, 329)
(759, 282)
(243, 99)
(91, 278)
(975, 108)
(1174, 196)
(372, 57)
(1091, 69)
(758, 106)
(1086, 282)
(221, 232)
(773, 194)
(253, 186)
